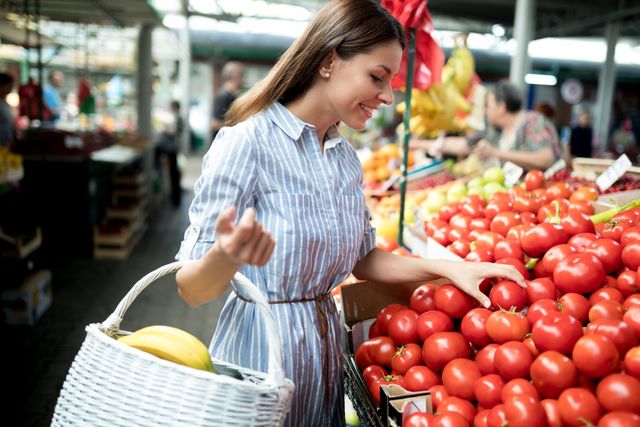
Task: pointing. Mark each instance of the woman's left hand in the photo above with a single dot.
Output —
(484, 150)
(469, 277)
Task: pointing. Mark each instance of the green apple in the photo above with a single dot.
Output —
(409, 212)
(494, 174)
(434, 201)
(477, 190)
(491, 188)
(456, 191)
(476, 182)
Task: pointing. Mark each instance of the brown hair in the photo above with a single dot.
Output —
(349, 27)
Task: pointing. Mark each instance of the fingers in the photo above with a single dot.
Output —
(482, 298)
(512, 273)
(224, 223)
(263, 250)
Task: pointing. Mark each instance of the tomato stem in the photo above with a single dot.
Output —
(586, 422)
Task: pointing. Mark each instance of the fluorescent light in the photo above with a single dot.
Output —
(497, 30)
(540, 79)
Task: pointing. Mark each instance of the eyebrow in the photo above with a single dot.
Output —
(387, 69)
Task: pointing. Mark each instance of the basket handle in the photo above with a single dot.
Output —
(275, 372)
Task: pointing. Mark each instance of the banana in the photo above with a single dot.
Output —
(170, 344)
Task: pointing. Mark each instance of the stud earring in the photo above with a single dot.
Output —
(326, 76)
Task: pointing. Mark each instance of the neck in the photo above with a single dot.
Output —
(510, 121)
(311, 108)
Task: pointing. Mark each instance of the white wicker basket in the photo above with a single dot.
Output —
(112, 384)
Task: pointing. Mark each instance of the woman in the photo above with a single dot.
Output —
(296, 185)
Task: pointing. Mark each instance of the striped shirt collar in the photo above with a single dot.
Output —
(293, 126)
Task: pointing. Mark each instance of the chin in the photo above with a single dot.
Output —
(355, 124)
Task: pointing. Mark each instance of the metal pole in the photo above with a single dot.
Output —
(523, 30)
(407, 132)
(606, 87)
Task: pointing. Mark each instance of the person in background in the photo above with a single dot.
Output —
(51, 94)
(280, 199)
(232, 81)
(580, 141)
(6, 114)
(526, 138)
(168, 148)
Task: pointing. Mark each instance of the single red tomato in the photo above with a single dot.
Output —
(458, 377)
(622, 334)
(363, 360)
(576, 222)
(507, 294)
(418, 419)
(557, 331)
(583, 206)
(503, 326)
(613, 229)
(497, 416)
(458, 406)
(482, 418)
(517, 232)
(485, 359)
(508, 248)
(447, 211)
(553, 412)
(575, 305)
(453, 301)
(442, 235)
(581, 273)
(526, 203)
(373, 330)
(631, 255)
(519, 387)
(618, 392)
(554, 255)
(420, 378)
(543, 237)
(541, 288)
(632, 362)
(480, 254)
(606, 294)
(488, 239)
(488, 390)
(494, 207)
(460, 247)
(632, 318)
(434, 224)
(513, 360)
(577, 405)
(605, 310)
(382, 320)
(581, 241)
(438, 394)
(534, 179)
(460, 220)
(454, 234)
(619, 419)
(402, 327)
(632, 301)
(627, 282)
(381, 350)
(525, 411)
(480, 224)
(595, 356)
(449, 419)
(473, 327)
(430, 322)
(608, 251)
(552, 372)
(505, 221)
(529, 218)
(518, 264)
(560, 190)
(372, 373)
(442, 347)
(423, 298)
(406, 356)
(374, 388)
(584, 193)
(631, 234)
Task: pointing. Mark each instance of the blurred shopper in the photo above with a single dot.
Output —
(51, 95)
(232, 81)
(280, 200)
(526, 138)
(6, 114)
(580, 142)
(167, 151)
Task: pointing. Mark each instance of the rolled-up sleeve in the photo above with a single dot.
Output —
(369, 237)
(228, 178)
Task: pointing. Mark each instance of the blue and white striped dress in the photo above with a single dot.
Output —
(313, 205)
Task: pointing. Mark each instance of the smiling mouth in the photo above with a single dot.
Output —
(368, 110)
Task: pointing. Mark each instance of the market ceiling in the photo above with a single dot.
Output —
(120, 13)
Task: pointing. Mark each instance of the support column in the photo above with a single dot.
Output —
(606, 86)
(185, 79)
(144, 81)
(523, 29)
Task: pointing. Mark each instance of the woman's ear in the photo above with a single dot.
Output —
(327, 65)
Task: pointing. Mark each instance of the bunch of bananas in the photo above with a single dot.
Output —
(172, 344)
(443, 106)
(9, 160)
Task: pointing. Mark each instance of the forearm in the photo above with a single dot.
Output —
(203, 280)
(456, 146)
(541, 159)
(382, 266)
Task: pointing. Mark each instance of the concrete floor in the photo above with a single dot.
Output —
(35, 359)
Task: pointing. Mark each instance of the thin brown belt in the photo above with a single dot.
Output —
(323, 329)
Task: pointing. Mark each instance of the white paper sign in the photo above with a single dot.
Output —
(613, 172)
(556, 167)
(512, 173)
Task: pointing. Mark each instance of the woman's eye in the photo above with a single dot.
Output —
(376, 79)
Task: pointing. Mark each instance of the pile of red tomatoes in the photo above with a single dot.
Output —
(564, 351)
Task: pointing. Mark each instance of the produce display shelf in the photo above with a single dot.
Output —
(359, 395)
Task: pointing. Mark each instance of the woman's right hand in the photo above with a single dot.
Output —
(246, 242)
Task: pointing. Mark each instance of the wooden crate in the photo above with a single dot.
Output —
(589, 168)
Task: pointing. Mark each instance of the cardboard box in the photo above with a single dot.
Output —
(361, 303)
(611, 200)
(26, 304)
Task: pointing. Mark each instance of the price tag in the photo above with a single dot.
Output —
(613, 172)
(512, 173)
(556, 167)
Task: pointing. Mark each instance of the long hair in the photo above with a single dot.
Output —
(349, 27)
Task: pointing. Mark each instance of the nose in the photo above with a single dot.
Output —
(386, 96)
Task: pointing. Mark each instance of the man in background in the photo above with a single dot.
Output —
(232, 81)
(51, 95)
(581, 136)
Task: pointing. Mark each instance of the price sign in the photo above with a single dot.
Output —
(613, 172)
(512, 173)
(556, 167)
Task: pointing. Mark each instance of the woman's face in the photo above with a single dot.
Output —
(493, 110)
(357, 86)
